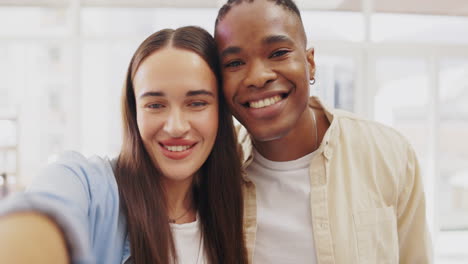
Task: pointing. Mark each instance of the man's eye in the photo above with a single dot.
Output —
(279, 53)
(233, 64)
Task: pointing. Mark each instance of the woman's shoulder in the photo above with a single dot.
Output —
(78, 163)
(71, 169)
(75, 160)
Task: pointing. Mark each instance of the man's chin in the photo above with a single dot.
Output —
(266, 135)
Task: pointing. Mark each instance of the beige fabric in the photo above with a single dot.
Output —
(367, 197)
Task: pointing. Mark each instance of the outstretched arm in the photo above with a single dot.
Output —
(54, 208)
(30, 237)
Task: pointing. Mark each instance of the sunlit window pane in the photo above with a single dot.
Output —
(401, 101)
(8, 161)
(38, 85)
(419, 28)
(8, 133)
(322, 25)
(335, 80)
(8, 151)
(141, 22)
(453, 144)
(12, 74)
(451, 247)
(104, 70)
(33, 21)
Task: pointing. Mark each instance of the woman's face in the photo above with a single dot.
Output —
(177, 110)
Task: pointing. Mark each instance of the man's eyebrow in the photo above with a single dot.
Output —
(147, 94)
(230, 50)
(199, 92)
(265, 41)
(276, 39)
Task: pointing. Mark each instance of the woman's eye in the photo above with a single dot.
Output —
(155, 106)
(198, 104)
(233, 64)
(279, 53)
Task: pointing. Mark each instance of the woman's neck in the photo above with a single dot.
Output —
(180, 204)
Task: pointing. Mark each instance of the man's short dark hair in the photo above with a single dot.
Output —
(287, 4)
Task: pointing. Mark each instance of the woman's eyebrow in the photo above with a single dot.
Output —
(147, 94)
(189, 93)
(199, 92)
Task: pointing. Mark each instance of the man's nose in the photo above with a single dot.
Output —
(259, 74)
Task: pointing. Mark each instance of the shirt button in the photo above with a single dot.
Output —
(327, 153)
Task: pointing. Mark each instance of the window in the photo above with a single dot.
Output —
(453, 159)
(8, 154)
(335, 80)
(402, 98)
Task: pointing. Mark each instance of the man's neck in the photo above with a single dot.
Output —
(300, 141)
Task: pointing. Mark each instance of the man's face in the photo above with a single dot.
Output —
(266, 68)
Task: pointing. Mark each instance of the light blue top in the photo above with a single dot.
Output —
(81, 195)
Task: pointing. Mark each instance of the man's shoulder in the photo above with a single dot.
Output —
(368, 137)
(353, 124)
(359, 126)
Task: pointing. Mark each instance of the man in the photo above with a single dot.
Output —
(322, 186)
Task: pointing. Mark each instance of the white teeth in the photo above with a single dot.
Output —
(265, 102)
(176, 148)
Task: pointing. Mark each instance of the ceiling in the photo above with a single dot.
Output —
(429, 7)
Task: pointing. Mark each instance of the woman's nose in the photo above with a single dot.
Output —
(176, 124)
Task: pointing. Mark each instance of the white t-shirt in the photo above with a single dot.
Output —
(284, 233)
(188, 243)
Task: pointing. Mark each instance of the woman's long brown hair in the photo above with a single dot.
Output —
(217, 190)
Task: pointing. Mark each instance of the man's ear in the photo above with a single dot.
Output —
(311, 62)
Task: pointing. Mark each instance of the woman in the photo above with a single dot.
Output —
(174, 193)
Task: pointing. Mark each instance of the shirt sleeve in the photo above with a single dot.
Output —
(413, 235)
(61, 192)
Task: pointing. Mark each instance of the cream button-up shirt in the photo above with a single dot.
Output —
(367, 197)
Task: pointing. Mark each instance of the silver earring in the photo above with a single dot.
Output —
(312, 82)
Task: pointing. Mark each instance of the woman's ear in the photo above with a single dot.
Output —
(311, 62)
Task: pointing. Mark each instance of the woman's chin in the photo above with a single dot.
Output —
(178, 177)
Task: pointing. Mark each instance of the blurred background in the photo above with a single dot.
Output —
(400, 62)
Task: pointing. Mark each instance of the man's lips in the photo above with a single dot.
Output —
(265, 100)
